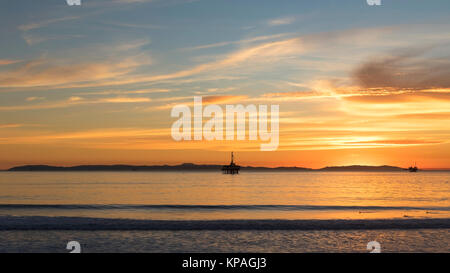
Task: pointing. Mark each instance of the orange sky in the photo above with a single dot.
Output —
(350, 91)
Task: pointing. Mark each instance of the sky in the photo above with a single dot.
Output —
(95, 84)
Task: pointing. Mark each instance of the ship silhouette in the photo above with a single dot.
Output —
(413, 169)
(232, 168)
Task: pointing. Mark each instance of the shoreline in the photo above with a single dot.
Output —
(96, 224)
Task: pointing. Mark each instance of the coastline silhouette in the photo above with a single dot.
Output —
(207, 167)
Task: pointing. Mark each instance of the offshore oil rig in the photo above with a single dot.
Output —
(413, 169)
(232, 168)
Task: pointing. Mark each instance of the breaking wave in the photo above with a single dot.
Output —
(211, 207)
(84, 223)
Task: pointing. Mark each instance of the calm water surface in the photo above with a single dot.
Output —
(69, 198)
(208, 195)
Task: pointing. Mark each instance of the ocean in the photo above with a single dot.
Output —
(212, 212)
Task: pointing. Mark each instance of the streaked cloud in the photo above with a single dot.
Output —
(44, 23)
(34, 98)
(262, 53)
(432, 115)
(239, 42)
(74, 101)
(363, 95)
(281, 21)
(125, 92)
(99, 134)
(45, 72)
(251, 57)
(32, 39)
(8, 62)
(205, 100)
(396, 142)
(12, 125)
(124, 100)
(128, 25)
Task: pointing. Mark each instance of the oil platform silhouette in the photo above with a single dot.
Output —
(413, 169)
(232, 168)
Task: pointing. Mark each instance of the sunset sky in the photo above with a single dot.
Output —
(95, 84)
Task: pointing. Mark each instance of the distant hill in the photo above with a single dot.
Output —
(195, 167)
(276, 169)
(181, 167)
(360, 168)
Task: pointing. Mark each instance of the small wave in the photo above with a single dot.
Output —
(210, 207)
(84, 223)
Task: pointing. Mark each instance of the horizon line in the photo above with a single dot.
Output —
(197, 164)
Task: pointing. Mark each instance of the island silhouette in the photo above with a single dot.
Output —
(202, 167)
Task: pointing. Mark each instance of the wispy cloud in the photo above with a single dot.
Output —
(122, 100)
(127, 92)
(38, 75)
(8, 62)
(34, 98)
(385, 142)
(215, 90)
(250, 57)
(12, 125)
(48, 72)
(32, 39)
(75, 101)
(44, 23)
(239, 42)
(364, 95)
(281, 21)
(132, 45)
(205, 100)
(431, 115)
(129, 25)
(262, 53)
(99, 134)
